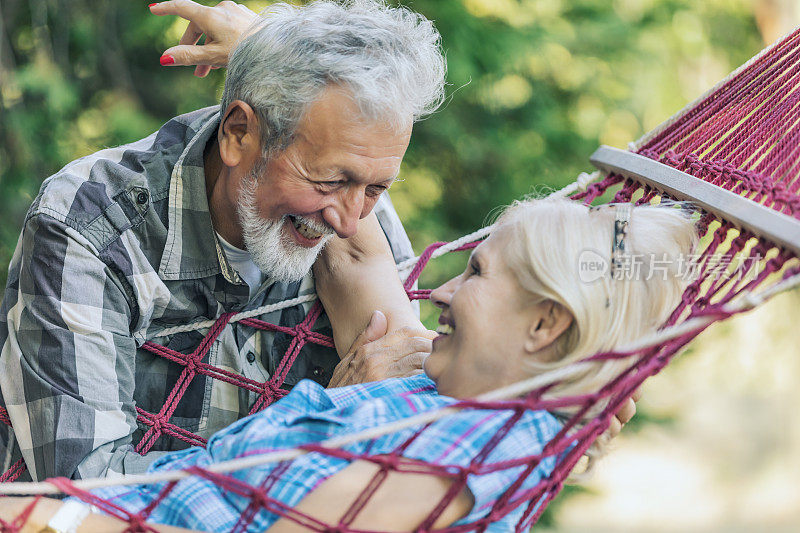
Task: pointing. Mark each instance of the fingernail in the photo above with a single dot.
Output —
(151, 5)
(166, 60)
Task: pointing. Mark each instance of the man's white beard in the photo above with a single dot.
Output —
(272, 249)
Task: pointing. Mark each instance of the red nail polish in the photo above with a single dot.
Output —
(166, 60)
(151, 5)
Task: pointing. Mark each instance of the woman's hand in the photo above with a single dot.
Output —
(222, 25)
(375, 355)
(624, 414)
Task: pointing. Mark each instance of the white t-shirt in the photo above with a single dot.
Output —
(242, 263)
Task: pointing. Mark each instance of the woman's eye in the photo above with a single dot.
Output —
(473, 270)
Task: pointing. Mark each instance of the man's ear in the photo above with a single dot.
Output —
(549, 320)
(239, 135)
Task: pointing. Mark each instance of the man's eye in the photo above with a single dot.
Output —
(473, 270)
(330, 185)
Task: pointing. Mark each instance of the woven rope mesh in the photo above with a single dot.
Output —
(744, 136)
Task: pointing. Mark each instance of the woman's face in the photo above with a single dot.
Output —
(485, 323)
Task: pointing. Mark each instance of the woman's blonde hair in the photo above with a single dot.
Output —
(554, 242)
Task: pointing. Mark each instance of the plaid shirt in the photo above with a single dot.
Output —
(117, 246)
(311, 414)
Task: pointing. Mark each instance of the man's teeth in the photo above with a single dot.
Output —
(306, 231)
(444, 329)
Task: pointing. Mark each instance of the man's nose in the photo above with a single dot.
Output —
(343, 216)
(441, 296)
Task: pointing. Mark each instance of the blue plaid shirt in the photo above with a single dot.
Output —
(311, 414)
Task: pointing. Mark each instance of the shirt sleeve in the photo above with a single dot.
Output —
(68, 358)
(393, 229)
(396, 235)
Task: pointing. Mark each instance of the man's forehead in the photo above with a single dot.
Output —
(368, 140)
(335, 117)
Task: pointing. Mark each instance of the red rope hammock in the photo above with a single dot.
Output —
(744, 137)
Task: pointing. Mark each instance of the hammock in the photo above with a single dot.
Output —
(734, 152)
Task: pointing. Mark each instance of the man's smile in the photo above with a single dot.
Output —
(305, 231)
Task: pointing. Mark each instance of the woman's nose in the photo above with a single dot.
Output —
(440, 297)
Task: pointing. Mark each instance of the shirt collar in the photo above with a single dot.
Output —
(192, 250)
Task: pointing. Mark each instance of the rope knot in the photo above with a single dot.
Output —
(671, 159)
(271, 391)
(702, 302)
(158, 423)
(301, 332)
(690, 294)
(191, 363)
(259, 498)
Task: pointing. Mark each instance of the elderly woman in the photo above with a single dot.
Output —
(518, 310)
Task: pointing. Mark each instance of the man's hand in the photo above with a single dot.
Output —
(375, 355)
(222, 25)
(624, 414)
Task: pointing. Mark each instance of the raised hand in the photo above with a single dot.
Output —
(222, 25)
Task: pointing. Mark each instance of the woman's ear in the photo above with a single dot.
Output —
(239, 135)
(549, 319)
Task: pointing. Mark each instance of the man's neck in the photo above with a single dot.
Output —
(221, 202)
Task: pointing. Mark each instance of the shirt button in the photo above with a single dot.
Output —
(251, 357)
(318, 371)
(141, 198)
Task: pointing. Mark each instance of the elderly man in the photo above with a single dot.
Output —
(222, 210)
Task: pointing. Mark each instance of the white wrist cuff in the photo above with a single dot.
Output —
(68, 517)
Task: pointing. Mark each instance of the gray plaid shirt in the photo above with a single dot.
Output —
(117, 246)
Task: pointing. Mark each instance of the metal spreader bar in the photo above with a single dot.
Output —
(778, 228)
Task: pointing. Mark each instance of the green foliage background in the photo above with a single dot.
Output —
(535, 86)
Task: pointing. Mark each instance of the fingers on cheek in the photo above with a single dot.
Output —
(422, 344)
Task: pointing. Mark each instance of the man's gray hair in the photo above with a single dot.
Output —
(389, 58)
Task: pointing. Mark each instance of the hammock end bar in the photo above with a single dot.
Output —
(778, 228)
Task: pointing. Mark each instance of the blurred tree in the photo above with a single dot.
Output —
(76, 77)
